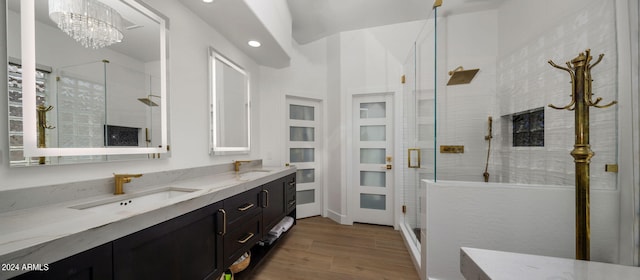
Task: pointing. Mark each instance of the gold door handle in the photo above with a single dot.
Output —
(411, 151)
(246, 207)
(244, 240)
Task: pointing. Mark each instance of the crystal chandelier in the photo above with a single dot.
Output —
(90, 22)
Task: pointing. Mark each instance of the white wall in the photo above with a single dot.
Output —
(469, 40)
(330, 70)
(189, 38)
(528, 219)
(371, 61)
(335, 132)
(526, 81)
(305, 77)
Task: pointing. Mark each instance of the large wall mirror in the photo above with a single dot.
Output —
(87, 81)
(230, 106)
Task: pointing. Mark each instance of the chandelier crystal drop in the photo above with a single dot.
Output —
(89, 22)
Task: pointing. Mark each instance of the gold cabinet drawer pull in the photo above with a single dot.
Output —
(246, 238)
(246, 207)
(224, 222)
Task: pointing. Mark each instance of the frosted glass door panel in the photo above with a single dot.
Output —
(297, 133)
(373, 110)
(373, 179)
(305, 197)
(305, 176)
(373, 201)
(372, 155)
(373, 133)
(305, 150)
(301, 154)
(298, 112)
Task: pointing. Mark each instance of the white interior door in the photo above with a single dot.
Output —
(304, 134)
(373, 150)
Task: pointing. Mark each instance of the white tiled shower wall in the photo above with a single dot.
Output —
(525, 81)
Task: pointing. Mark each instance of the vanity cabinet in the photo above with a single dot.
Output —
(93, 264)
(197, 245)
(186, 247)
(290, 192)
(277, 201)
(243, 224)
(273, 204)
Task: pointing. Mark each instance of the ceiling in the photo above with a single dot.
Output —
(237, 22)
(315, 19)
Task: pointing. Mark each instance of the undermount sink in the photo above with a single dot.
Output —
(252, 174)
(134, 200)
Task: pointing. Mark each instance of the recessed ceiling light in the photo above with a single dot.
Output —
(254, 43)
(207, 1)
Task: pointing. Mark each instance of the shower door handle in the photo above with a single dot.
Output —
(413, 153)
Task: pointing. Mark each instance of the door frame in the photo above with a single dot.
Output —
(347, 202)
(321, 198)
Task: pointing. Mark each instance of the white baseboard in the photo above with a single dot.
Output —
(337, 217)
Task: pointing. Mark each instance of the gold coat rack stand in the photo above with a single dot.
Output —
(579, 69)
(42, 125)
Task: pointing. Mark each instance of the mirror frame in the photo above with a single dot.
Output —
(213, 145)
(28, 41)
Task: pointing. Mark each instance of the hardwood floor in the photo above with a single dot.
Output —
(319, 248)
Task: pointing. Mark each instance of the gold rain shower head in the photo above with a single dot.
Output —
(147, 100)
(460, 76)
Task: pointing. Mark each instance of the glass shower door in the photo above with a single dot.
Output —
(410, 174)
(419, 126)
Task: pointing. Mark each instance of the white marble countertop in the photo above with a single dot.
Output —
(45, 234)
(480, 264)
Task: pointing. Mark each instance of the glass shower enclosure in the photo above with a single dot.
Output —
(497, 129)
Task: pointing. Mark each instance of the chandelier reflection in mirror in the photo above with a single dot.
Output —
(90, 22)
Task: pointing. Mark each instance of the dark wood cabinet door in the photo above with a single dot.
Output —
(240, 238)
(290, 191)
(93, 264)
(186, 247)
(242, 206)
(273, 203)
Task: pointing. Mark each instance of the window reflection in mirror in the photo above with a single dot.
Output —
(230, 115)
(91, 104)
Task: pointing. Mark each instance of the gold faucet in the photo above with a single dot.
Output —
(121, 179)
(237, 163)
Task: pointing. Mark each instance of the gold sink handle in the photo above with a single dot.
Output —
(120, 180)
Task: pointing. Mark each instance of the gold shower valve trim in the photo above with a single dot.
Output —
(611, 168)
(450, 149)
